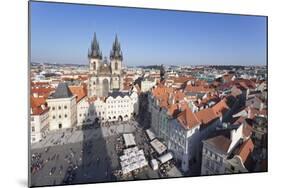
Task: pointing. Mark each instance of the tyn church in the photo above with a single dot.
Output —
(104, 75)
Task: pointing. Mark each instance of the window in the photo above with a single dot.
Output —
(59, 107)
(65, 115)
(53, 108)
(65, 107)
(116, 65)
(32, 129)
(32, 118)
(59, 116)
(54, 117)
(80, 115)
(94, 65)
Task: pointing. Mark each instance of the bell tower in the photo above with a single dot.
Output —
(94, 56)
(116, 57)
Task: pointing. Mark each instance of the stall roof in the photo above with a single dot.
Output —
(158, 146)
(165, 158)
(132, 159)
(129, 139)
(150, 134)
(154, 164)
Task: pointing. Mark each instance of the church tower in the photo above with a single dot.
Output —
(95, 58)
(116, 58)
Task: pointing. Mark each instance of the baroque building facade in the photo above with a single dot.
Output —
(104, 75)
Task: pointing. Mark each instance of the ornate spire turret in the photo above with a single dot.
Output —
(95, 52)
(116, 52)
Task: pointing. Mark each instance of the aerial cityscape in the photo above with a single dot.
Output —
(106, 119)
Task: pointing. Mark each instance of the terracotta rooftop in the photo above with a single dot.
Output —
(197, 89)
(206, 115)
(245, 150)
(188, 119)
(42, 91)
(79, 91)
(220, 108)
(38, 105)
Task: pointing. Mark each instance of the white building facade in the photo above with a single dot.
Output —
(39, 124)
(63, 108)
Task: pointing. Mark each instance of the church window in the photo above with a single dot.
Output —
(116, 66)
(94, 65)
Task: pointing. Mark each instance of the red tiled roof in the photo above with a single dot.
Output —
(188, 119)
(79, 91)
(42, 91)
(220, 107)
(36, 105)
(180, 79)
(198, 89)
(245, 150)
(206, 115)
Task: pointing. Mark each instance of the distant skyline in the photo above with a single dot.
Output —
(62, 33)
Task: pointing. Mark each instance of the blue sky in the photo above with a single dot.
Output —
(62, 33)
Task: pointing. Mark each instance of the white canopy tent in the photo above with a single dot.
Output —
(129, 139)
(150, 134)
(154, 164)
(158, 146)
(165, 158)
(132, 159)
